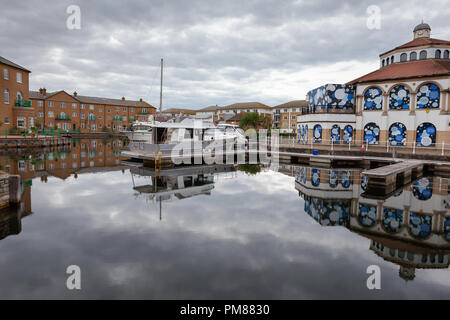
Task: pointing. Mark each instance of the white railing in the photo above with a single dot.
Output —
(441, 148)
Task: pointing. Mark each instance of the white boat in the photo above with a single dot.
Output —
(140, 131)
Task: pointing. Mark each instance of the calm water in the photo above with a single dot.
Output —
(216, 232)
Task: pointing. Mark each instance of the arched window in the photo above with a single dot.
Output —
(413, 56)
(428, 96)
(382, 63)
(372, 133)
(420, 225)
(6, 96)
(399, 98)
(403, 57)
(446, 54)
(348, 134)
(317, 133)
(373, 99)
(367, 215)
(423, 55)
(392, 59)
(335, 134)
(426, 135)
(315, 177)
(437, 54)
(19, 96)
(392, 219)
(397, 134)
(422, 189)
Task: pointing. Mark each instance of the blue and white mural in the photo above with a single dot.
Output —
(335, 134)
(302, 134)
(426, 135)
(332, 96)
(392, 219)
(373, 99)
(328, 213)
(399, 98)
(371, 133)
(364, 182)
(447, 229)
(423, 189)
(348, 134)
(420, 225)
(317, 133)
(334, 178)
(428, 96)
(315, 177)
(301, 175)
(397, 134)
(346, 179)
(367, 215)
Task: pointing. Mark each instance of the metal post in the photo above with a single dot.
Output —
(387, 145)
(443, 143)
(414, 147)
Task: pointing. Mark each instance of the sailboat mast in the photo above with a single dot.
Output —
(161, 86)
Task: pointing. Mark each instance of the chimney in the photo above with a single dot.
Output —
(123, 98)
(140, 99)
(44, 91)
(75, 94)
(40, 90)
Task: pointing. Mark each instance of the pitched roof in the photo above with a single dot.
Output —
(179, 110)
(292, 104)
(210, 108)
(406, 70)
(12, 64)
(418, 43)
(246, 105)
(93, 100)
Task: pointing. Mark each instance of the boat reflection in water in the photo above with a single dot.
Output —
(178, 182)
(410, 228)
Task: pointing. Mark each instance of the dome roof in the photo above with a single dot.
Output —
(422, 26)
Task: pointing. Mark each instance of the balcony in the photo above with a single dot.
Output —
(117, 119)
(144, 112)
(90, 118)
(131, 119)
(22, 103)
(62, 117)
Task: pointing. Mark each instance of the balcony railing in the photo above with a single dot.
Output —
(62, 117)
(131, 119)
(92, 118)
(117, 119)
(144, 112)
(22, 103)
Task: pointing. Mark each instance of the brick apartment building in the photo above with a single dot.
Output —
(23, 109)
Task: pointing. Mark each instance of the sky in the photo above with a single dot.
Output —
(215, 52)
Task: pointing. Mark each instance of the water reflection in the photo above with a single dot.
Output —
(410, 228)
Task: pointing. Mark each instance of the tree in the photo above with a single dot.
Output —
(255, 120)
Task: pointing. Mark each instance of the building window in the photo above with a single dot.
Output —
(74, 114)
(40, 103)
(446, 54)
(413, 56)
(124, 118)
(397, 134)
(403, 57)
(82, 115)
(100, 110)
(117, 108)
(371, 133)
(6, 74)
(373, 99)
(19, 96)
(335, 134)
(399, 98)
(132, 110)
(317, 133)
(6, 96)
(428, 96)
(21, 122)
(382, 63)
(124, 109)
(62, 104)
(91, 107)
(74, 105)
(50, 114)
(423, 55)
(50, 124)
(6, 120)
(19, 77)
(392, 59)
(437, 54)
(50, 104)
(426, 135)
(40, 114)
(348, 134)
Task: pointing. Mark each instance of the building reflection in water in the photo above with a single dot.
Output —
(411, 228)
(83, 156)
